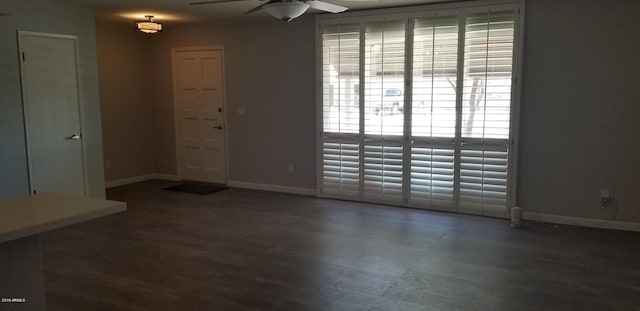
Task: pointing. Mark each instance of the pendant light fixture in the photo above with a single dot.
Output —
(149, 26)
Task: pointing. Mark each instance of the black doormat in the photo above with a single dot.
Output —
(196, 188)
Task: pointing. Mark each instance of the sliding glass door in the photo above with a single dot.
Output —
(417, 109)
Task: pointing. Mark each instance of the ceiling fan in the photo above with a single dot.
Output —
(287, 10)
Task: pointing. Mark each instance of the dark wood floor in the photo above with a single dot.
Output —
(241, 249)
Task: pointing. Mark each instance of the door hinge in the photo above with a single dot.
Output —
(23, 57)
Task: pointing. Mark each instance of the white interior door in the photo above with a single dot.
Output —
(199, 96)
(52, 113)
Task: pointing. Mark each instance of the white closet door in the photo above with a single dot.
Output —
(52, 113)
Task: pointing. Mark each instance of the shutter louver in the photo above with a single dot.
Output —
(483, 179)
(341, 169)
(383, 172)
(384, 77)
(432, 171)
(489, 40)
(340, 76)
(435, 67)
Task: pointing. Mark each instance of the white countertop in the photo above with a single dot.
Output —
(29, 215)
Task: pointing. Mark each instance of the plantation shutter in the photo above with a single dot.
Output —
(486, 111)
(432, 176)
(340, 75)
(487, 74)
(384, 122)
(341, 110)
(433, 113)
(483, 179)
(417, 108)
(383, 171)
(341, 168)
(435, 70)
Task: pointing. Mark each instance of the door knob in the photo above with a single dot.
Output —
(218, 127)
(73, 137)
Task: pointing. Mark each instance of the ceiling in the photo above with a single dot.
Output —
(179, 11)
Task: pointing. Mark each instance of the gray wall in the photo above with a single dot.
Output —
(50, 17)
(269, 70)
(580, 116)
(124, 65)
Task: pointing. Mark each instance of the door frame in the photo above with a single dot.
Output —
(25, 99)
(176, 117)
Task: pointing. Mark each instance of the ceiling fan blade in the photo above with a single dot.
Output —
(212, 1)
(256, 9)
(325, 6)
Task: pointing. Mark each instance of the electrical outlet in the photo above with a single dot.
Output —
(291, 168)
(107, 165)
(241, 111)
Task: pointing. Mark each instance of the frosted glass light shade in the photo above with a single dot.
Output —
(286, 11)
(149, 26)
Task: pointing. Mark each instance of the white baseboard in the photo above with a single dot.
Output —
(584, 222)
(126, 181)
(273, 188)
(135, 179)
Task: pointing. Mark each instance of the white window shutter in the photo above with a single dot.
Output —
(483, 179)
(383, 172)
(488, 59)
(341, 168)
(432, 176)
(435, 69)
(340, 76)
(444, 144)
(486, 110)
(384, 77)
(384, 111)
